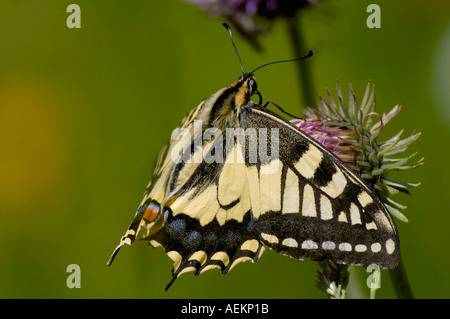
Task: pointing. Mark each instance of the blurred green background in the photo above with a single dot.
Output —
(84, 112)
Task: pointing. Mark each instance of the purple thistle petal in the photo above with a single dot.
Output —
(251, 7)
(333, 138)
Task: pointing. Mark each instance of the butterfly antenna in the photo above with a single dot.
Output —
(235, 49)
(282, 61)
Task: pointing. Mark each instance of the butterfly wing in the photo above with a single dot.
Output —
(207, 221)
(306, 203)
(216, 201)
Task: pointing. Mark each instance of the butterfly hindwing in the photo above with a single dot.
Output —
(208, 220)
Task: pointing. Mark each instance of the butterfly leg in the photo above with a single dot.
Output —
(280, 108)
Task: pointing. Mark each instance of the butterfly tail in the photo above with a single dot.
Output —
(129, 237)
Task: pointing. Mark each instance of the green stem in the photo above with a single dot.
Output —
(375, 284)
(303, 67)
(400, 282)
(372, 293)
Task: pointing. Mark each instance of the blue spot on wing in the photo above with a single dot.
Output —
(250, 226)
(193, 236)
(177, 227)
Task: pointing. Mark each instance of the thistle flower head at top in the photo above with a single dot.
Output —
(351, 132)
(252, 17)
(268, 8)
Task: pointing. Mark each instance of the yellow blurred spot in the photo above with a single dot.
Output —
(33, 142)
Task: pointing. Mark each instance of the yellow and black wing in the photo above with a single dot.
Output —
(208, 221)
(306, 203)
(240, 178)
(197, 206)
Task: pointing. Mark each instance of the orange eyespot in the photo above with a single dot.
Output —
(151, 213)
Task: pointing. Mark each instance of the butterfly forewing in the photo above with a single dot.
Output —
(312, 205)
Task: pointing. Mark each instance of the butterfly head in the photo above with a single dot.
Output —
(247, 82)
(246, 87)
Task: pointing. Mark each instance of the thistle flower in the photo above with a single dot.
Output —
(351, 132)
(333, 138)
(252, 17)
(267, 8)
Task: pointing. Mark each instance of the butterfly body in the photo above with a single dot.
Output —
(237, 178)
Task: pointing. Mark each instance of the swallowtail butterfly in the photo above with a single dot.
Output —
(218, 196)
